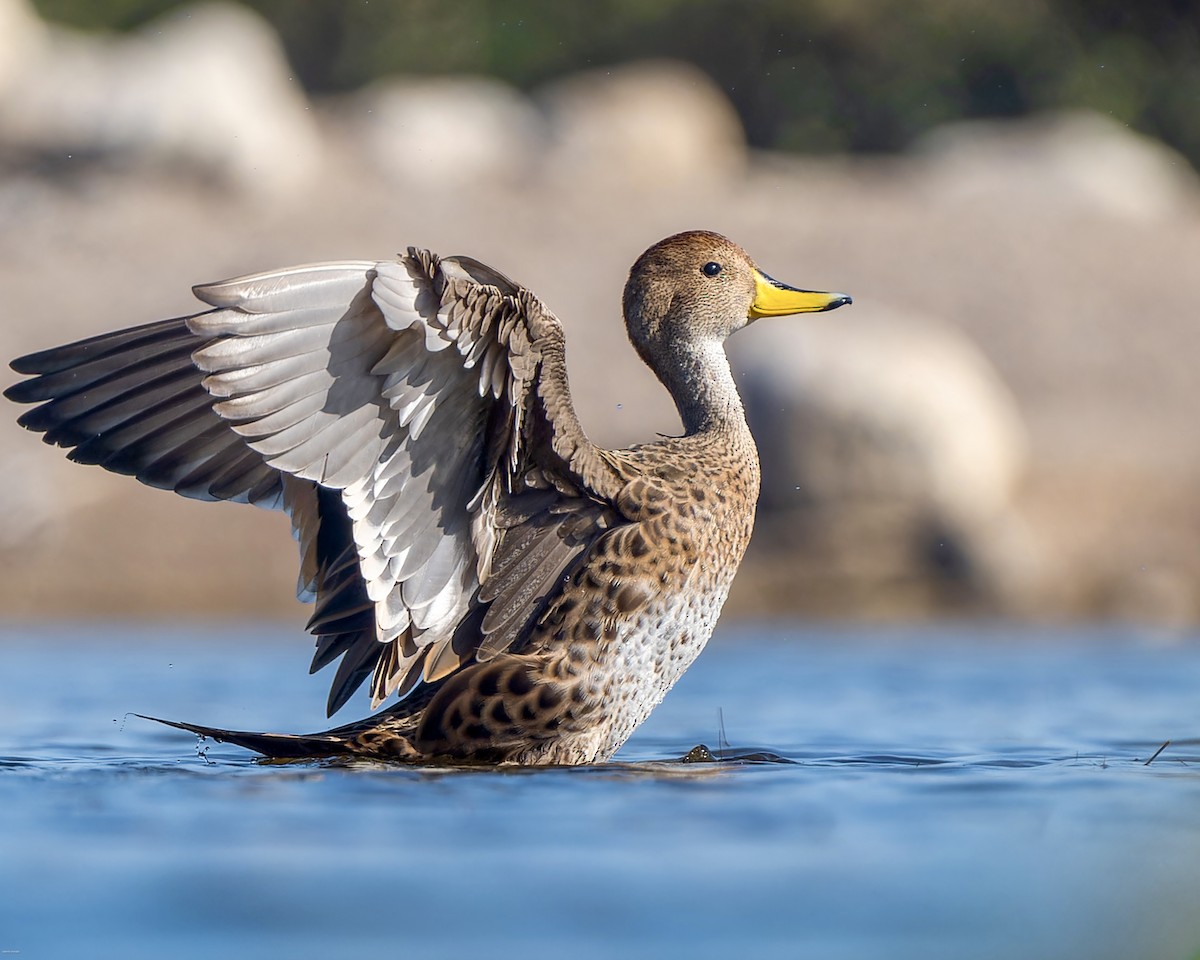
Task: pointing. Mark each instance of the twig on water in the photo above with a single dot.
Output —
(1166, 743)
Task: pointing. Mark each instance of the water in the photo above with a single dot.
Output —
(961, 792)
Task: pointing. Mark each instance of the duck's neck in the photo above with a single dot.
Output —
(702, 386)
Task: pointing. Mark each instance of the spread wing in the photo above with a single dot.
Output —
(413, 419)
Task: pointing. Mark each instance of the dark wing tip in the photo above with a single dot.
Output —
(43, 361)
(357, 664)
(33, 365)
(21, 392)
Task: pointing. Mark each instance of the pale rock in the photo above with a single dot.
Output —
(884, 406)
(23, 41)
(205, 87)
(651, 125)
(445, 132)
(1080, 160)
(885, 428)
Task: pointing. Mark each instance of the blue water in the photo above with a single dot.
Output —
(959, 792)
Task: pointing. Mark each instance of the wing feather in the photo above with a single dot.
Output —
(317, 286)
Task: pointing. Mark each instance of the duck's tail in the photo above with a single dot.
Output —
(366, 739)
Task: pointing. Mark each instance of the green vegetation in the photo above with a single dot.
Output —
(815, 75)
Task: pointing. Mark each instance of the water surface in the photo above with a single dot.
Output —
(960, 792)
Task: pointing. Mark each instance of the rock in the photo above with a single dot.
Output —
(890, 443)
(644, 125)
(886, 407)
(1080, 159)
(23, 40)
(445, 132)
(205, 87)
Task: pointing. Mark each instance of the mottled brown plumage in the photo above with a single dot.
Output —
(530, 596)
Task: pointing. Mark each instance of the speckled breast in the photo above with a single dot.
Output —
(646, 602)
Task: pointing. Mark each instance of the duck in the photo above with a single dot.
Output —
(517, 593)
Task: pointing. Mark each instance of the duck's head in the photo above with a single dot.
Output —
(699, 286)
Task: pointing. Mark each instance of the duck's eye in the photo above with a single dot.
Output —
(711, 269)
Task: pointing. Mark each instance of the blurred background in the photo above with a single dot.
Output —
(1004, 424)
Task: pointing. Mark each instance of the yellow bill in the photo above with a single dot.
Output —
(775, 299)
